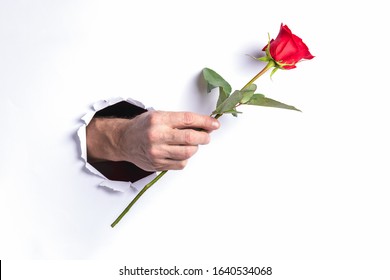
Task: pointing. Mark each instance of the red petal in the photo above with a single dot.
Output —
(288, 48)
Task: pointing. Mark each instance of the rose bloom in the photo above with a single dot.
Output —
(287, 49)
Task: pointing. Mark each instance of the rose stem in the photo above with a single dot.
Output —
(269, 65)
(145, 188)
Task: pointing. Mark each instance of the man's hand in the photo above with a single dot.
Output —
(154, 140)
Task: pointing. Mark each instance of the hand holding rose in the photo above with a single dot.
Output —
(154, 140)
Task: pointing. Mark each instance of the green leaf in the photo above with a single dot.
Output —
(234, 112)
(248, 93)
(238, 97)
(256, 99)
(229, 103)
(273, 71)
(214, 80)
(260, 100)
(222, 96)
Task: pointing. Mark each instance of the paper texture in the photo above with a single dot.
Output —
(120, 186)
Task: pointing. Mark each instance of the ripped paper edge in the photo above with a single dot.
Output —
(119, 186)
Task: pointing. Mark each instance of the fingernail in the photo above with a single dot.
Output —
(215, 124)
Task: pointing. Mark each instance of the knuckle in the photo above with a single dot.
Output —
(151, 136)
(188, 137)
(181, 164)
(153, 118)
(154, 136)
(204, 138)
(189, 151)
(157, 166)
(188, 118)
(153, 153)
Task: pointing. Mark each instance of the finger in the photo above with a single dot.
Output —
(180, 152)
(192, 120)
(187, 137)
(170, 164)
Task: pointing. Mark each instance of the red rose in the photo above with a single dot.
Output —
(287, 49)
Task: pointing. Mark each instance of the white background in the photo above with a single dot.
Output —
(272, 185)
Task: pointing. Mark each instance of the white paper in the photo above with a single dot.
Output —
(121, 186)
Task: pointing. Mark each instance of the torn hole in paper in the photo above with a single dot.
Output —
(118, 176)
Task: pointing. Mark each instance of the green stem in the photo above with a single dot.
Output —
(145, 188)
(269, 65)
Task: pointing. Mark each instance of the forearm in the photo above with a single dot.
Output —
(104, 137)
